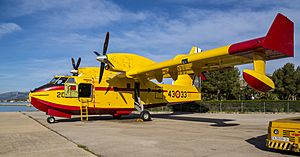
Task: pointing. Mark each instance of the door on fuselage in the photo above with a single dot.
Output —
(85, 92)
(71, 88)
(82, 91)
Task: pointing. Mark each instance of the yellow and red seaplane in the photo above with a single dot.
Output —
(123, 83)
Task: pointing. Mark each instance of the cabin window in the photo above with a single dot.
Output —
(116, 89)
(85, 90)
(197, 81)
(128, 85)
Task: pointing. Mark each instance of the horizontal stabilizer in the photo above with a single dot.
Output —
(278, 43)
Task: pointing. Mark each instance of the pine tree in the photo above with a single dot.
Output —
(222, 85)
(285, 80)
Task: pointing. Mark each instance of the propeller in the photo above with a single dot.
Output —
(103, 58)
(75, 67)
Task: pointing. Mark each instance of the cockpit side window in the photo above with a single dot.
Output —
(71, 80)
(53, 80)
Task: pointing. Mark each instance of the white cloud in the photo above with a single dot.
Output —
(215, 28)
(7, 28)
(70, 14)
(90, 14)
(20, 8)
(74, 38)
(157, 35)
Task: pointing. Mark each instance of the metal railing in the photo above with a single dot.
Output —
(245, 106)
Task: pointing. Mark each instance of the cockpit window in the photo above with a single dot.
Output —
(61, 81)
(58, 80)
(53, 80)
(71, 80)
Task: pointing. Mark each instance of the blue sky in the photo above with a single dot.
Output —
(38, 37)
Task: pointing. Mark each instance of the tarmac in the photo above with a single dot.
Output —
(185, 134)
(23, 136)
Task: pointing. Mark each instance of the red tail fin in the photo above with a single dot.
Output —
(280, 36)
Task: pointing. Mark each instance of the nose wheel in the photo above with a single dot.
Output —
(51, 119)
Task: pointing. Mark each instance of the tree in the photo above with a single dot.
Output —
(222, 85)
(286, 79)
(298, 82)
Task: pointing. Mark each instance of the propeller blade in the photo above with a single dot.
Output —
(102, 66)
(98, 54)
(105, 46)
(73, 63)
(78, 63)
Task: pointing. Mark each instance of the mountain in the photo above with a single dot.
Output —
(22, 96)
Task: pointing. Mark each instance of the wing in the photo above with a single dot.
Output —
(278, 43)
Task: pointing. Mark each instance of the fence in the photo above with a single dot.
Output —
(246, 106)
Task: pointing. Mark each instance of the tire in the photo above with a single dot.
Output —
(145, 115)
(51, 120)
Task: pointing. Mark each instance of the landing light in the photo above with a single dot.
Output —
(276, 131)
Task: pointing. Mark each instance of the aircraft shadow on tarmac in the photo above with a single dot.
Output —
(260, 143)
(216, 122)
(124, 118)
(130, 118)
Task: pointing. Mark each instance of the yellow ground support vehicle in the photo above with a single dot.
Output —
(284, 134)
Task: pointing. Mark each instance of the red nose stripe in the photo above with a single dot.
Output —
(51, 88)
(44, 105)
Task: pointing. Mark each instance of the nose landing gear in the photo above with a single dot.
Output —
(51, 119)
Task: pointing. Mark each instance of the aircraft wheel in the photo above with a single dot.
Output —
(145, 115)
(51, 119)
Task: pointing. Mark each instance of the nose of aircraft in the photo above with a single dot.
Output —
(34, 99)
(29, 96)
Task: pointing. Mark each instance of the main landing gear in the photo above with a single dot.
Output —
(145, 115)
(51, 119)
